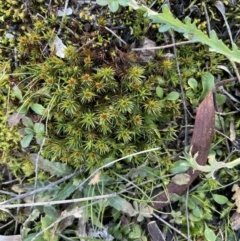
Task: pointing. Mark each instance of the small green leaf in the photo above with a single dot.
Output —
(123, 2)
(17, 92)
(27, 122)
(39, 127)
(113, 6)
(136, 232)
(173, 95)
(65, 191)
(28, 131)
(220, 199)
(207, 84)
(51, 212)
(23, 109)
(221, 99)
(180, 167)
(159, 92)
(33, 216)
(197, 212)
(54, 168)
(33, 235)
(193, 83)
(123, 205)
(103, 2)
(37, 108)
(209, 234)
(39, 139)
(25, 142)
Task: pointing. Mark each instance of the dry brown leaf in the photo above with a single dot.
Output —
(95, 179)
(201, 141)
(235, 221)
(10, 238)
(236, 196)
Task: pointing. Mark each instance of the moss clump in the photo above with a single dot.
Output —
(9, 137)
(100, 110)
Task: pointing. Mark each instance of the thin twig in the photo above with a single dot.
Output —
(4, 206)
(63, 216)
(21, 196)
(187, 215)
(207, 18)
(115, 161)
(235, 69)
(170, 226)
(64, 15)
(36, 167)
(165, 46)
(110, 30)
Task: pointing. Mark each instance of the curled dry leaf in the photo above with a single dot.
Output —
(236, 196)
(235, 221)
(95, 179)
(201, 141)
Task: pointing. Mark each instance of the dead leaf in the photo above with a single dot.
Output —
(10, 238)
(201, 141)
(236, 196)
(95, 179)
(181, 179)
(14, 119)
(235, 224)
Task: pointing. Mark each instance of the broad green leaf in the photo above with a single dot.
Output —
(220, 199)
(25, 142)
(39, 127)
(193, 83)
(103, 2)
(113, 6)
(179, 167)
(27, 122)
(17, 92)
(123, 205)
(207, 84)
(221, 99)
(173, 96)
(54, 168)
(209, 234)
(181, 179)
(159, 92)
(37, 108)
